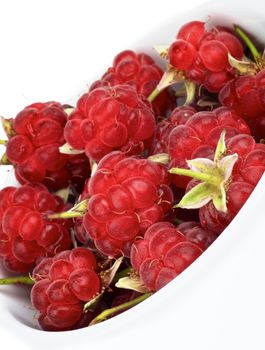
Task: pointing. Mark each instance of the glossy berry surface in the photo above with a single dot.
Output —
(203, 55)
(34, 148)
(26, 234)
(63, 284)
(108, 119)
(139, 71)
(126, 196)
(246, 95)
(179, 116)
(162, 254)
(201, 130)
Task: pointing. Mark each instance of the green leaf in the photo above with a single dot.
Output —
(131, 282)
(197, 197)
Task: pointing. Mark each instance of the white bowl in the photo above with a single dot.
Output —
(217, 303)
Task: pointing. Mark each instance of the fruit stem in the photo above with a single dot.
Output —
(65, 215)
(78, 210)
(17, 280)
(153, 95)
(195, 175)
(108, 312)
(256, 55)
(3, 142)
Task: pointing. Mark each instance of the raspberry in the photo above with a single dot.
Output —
(225, 183)
(25, 234)
(179, 116)
(162, 254)
(109, 119)
(198, 137)
(138, 71)
(127, 195)
(63, 284)
(34, 149)
(203, 55)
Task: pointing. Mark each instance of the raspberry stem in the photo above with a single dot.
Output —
(108, 312)
(17, 280)
(153, 95)
(3, 142)
(194, 174)
(122, 273)
(256, 55)
(77, 211)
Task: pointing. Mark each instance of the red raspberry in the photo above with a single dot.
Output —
(179, 116)
(25, 234)
(246, 95)
(34, 149)
(246, 173)
(198, 137)
(139, 71)
(203, 55)
(109, 119)
(63, 284)
(162, 254)
(127, 195)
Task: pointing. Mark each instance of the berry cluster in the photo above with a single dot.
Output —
(33, 147)
(165, 180)
(203, 55)
(127, 195)
(26, 234)
(63, 284)
(110, 118)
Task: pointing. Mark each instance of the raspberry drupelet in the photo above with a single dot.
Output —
(63, 284)
(108, 119)
(26, 234)
(126, 196)
(33, 147)
(162, 254)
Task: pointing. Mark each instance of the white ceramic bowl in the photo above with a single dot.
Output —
(217, 303)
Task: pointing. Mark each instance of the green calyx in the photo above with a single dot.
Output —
(214, 176)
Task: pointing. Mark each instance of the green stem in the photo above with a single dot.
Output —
(107, 313)
(3, 142)
(153, 95)
(195, 175)
(65, 215)
(17, 280)
(256, 55)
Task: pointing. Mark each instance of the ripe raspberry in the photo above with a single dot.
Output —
(63, 284)
(203, 129)
(109, 119)
(179, 116)
(25, 234)
(222, 186)
(203, 55)
(162, 254)
(34, 149)
(246, 95)
(138, 71)
(246, 173)
(127, 195)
